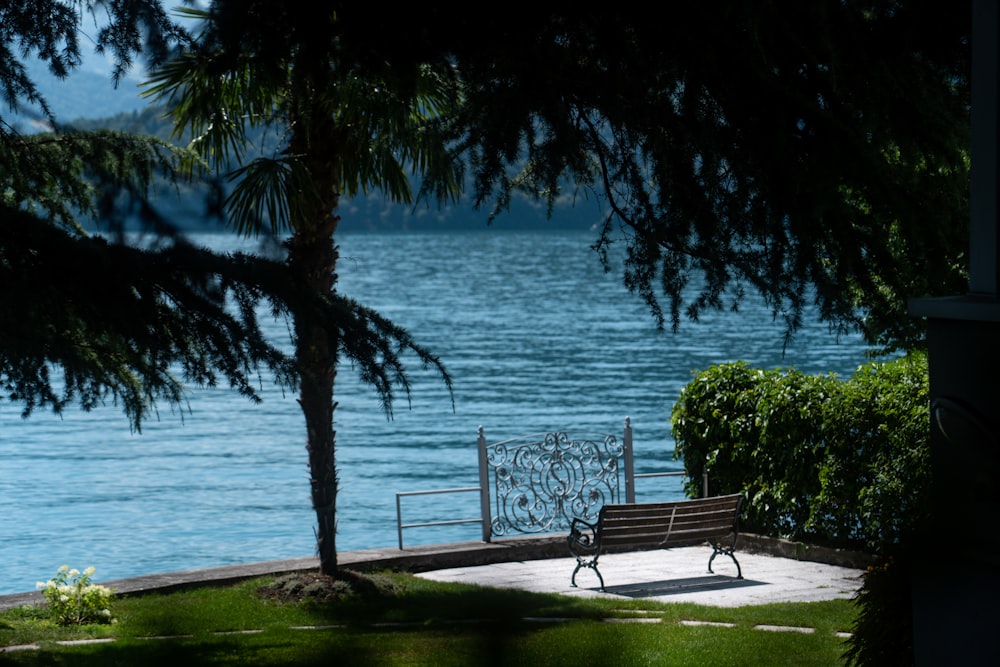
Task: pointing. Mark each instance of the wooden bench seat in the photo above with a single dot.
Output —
(640, 526)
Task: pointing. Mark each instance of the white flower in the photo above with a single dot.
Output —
(64, 568)
(74, 572)
(89, 571)
(39, 585)
(64, 598)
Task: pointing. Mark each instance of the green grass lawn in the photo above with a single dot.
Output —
(411, 621)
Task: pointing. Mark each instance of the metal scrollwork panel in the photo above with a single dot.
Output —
(541, 485)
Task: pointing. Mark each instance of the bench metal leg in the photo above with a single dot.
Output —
(727, 551)
(592, 564)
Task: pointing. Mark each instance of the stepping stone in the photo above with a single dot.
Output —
(715, 624)
(784, 628)
(19, 647)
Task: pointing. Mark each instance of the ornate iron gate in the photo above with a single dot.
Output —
(540, 483)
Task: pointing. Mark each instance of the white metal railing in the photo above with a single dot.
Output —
(675, 473)
(450, 522)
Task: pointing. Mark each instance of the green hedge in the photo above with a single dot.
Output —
(834, 462)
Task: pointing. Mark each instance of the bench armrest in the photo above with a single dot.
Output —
(583, 539)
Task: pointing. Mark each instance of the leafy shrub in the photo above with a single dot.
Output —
(74, 600)
(819, 459)
(877, 465)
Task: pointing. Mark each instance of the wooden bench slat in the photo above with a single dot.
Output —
(696, 534)
(611, 513)
(659, 537)
(650, 539)
(731, 500)
(715, 518)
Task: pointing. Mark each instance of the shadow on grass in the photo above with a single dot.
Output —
(429, 603)
(406, 621)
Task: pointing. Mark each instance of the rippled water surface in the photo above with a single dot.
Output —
(536, 336)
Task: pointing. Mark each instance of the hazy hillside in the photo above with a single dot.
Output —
(87, 92)
(87, 100)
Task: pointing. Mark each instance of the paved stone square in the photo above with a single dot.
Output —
(671, 575)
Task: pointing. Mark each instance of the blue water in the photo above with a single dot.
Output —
(535, 334)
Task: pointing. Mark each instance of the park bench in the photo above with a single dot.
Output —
(639, 526)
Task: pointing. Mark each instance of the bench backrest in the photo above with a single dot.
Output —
(662, 524)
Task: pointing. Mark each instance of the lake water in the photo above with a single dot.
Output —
(536, 336)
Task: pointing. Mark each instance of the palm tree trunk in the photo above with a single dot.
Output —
(313, 257)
